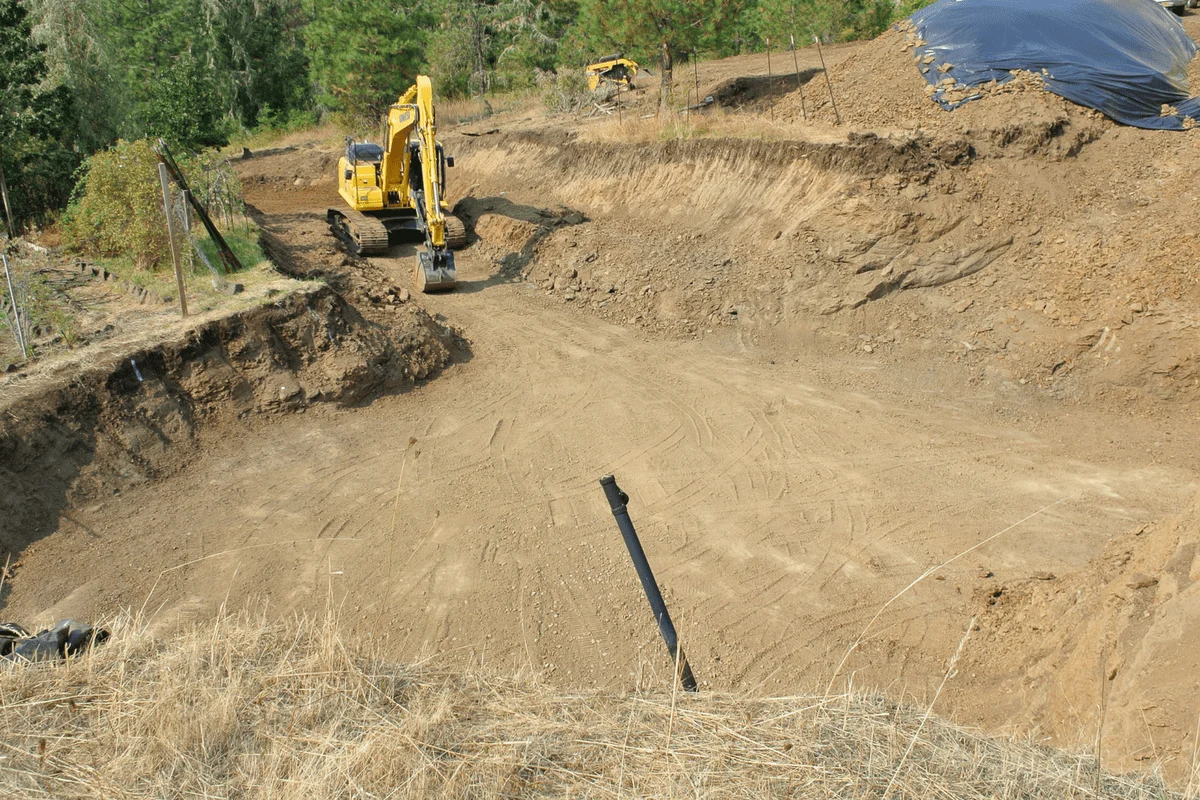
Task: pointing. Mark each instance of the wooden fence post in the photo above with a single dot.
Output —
(166, 190)
(12, 232)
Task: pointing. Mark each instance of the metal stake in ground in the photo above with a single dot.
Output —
(166, 190)
(828, 85)
(796, 61)
(618, 500)
(16, 315)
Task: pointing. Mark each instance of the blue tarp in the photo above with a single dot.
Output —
(1125, 58)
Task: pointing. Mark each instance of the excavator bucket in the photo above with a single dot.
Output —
(435, 272)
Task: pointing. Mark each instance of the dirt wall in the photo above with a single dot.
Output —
(1028, 269)
(137, 418)
(1107, 657)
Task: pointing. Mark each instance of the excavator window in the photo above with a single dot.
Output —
(368, 151)
(414, 170)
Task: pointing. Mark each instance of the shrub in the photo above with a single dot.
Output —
(564, 91)
(117, 207)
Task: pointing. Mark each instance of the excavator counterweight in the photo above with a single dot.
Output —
(395, 191)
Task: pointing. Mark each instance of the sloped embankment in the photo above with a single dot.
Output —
(1109, 654)
(1024, 268)
(144, 415)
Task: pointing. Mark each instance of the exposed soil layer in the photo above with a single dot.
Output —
(1110, 653)
(141, 417)
(996, 265)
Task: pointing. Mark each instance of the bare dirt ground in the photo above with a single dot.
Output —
(820, 365)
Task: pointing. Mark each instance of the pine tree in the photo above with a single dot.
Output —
(364, 53)
(657, 30)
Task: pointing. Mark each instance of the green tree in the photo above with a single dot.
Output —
(36, 152)
(185, 107)
(831, 20)
(481, 45)
(461, 49)
(364, 53)
(531, 31)
(256, 48)
(115, 55)
(76, 58)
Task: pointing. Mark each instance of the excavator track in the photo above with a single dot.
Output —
(362, 235)
(456, 233)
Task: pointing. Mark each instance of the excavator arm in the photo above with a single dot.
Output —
(431, 166)
(413, 171)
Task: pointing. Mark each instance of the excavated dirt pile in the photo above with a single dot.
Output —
(1127, 633)
(879, 87)
(123, 423)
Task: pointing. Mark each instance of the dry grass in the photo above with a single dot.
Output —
(327, 134)
(241, 708)
(465, 110)
(711, 123)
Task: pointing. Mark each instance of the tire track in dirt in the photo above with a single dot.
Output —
(779, 516)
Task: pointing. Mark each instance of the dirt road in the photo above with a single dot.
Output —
(782, 505)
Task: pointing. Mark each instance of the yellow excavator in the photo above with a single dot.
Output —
(395, 191)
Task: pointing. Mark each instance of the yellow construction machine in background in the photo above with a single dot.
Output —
(612, 70)
(395, 191)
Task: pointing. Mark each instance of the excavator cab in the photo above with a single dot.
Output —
(359, 171)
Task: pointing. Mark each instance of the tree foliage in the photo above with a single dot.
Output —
(641, 28)
(365, 53)
(184, 106)
(120, 56)
(36, 146)
(118, 207)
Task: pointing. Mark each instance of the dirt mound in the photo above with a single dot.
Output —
(879, 87)
(1110, 654)
(757, 92)
(125, 422)
(288, 165)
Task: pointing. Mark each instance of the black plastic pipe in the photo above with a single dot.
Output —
(618, 500)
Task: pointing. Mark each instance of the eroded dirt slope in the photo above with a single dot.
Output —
(1110, 653)
(128, 421)
(1015, 268)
